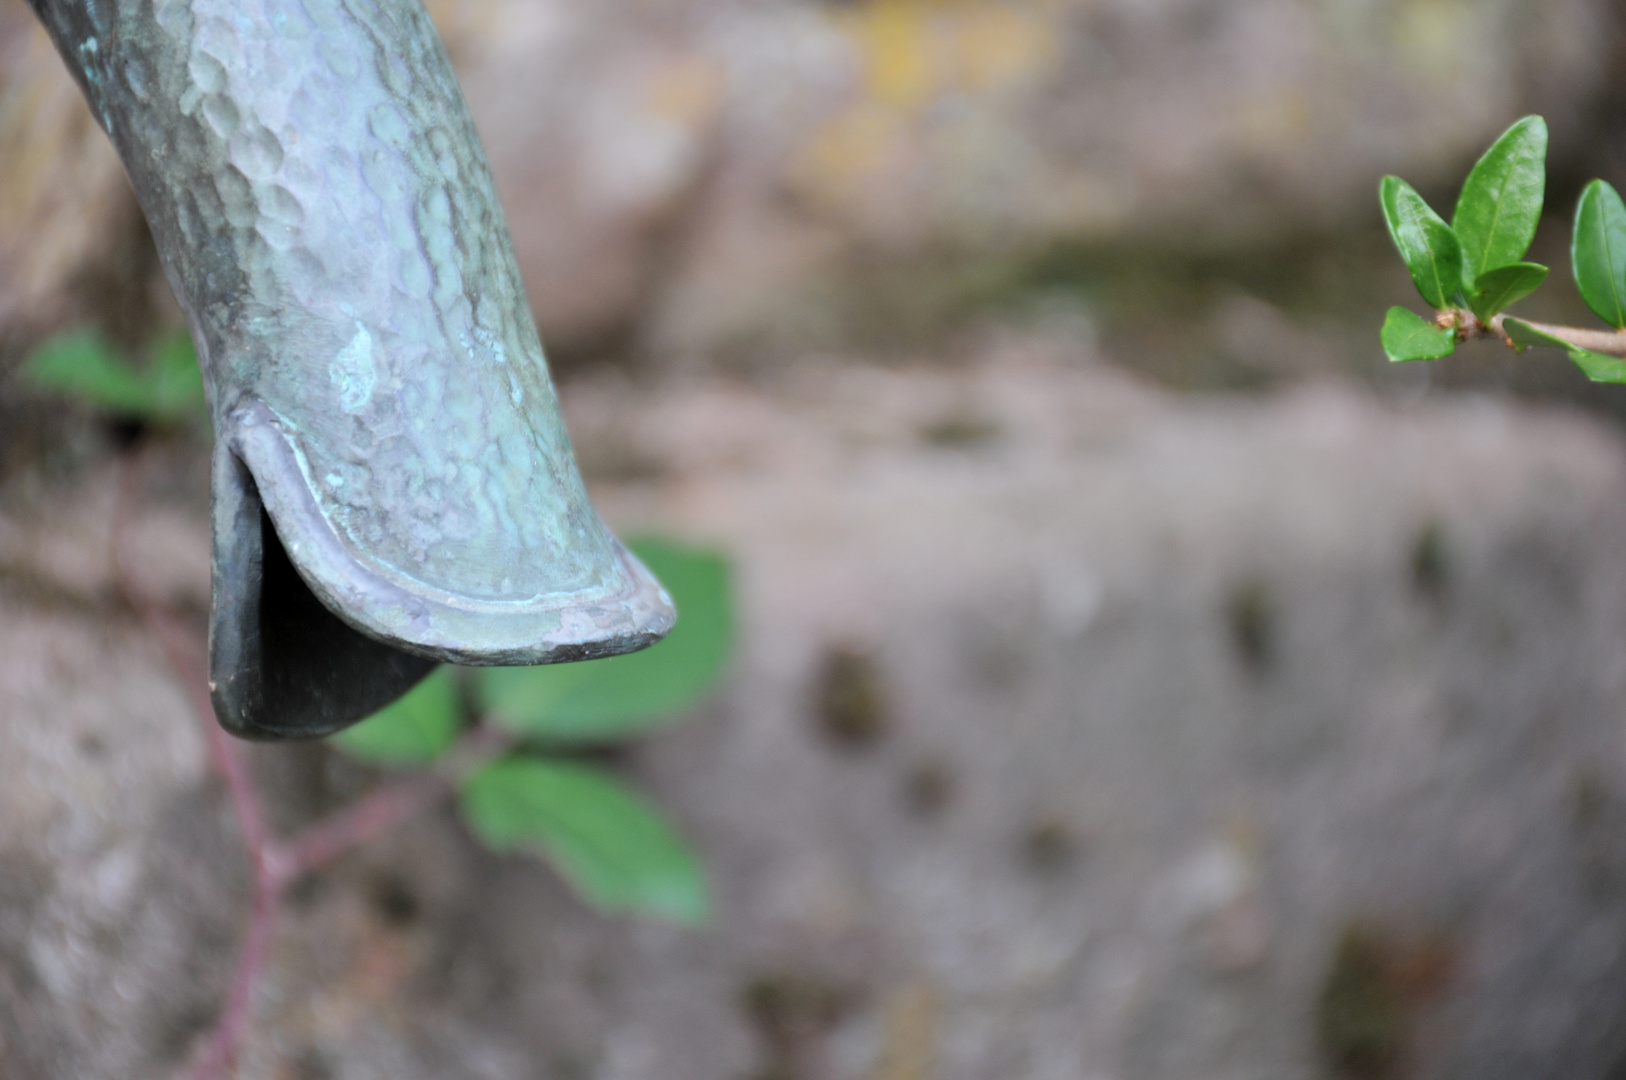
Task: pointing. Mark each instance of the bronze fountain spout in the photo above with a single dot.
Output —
(392, 482)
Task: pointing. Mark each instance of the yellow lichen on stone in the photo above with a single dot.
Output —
(915, 51)
(1434, 38)
(895, 37)
(913, 56)
(911, 1024)
(1001, 46)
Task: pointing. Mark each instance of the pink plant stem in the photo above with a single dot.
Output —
(372, 816)
(181, 649)
(220, 1049)
(387, 807)
(276, 865)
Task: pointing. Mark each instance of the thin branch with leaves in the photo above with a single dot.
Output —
(1472, 270)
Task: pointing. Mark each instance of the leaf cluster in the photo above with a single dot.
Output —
(1472, 270)
(610, 843)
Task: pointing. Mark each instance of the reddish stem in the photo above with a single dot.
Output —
(276, 864)
(220, 1049)
(385, 808)
(376, 814)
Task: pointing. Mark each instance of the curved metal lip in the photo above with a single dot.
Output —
(419, 618)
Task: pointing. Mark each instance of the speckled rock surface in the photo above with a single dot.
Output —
(700, 172)
(1077, 732)
(683, 173)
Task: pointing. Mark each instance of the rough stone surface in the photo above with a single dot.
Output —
(698, 172)
(684, 173)
(1076, 732)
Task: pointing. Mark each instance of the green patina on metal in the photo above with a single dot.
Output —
(382, 407)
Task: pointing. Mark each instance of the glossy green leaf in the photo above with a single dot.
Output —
(1598, 252)
(1598, 367)
(414, 730)
(1408, 336)
(80, 364)
(1525, 335)
(604, 839)
(1498, 289)
(1426, 243)
(1500, 204)
(595, 700)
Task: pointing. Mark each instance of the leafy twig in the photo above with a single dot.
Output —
(1472, 269)
(1468, 327)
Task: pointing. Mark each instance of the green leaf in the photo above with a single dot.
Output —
(175, 381)
(1525, 335)
(604, 839)
(1426, 243)
(1500, 204)
(1598, 252)
(415, 730)
(1496, 290)
(82, 365)
(1599, 367)
(595, 700)
(1596, 366)
(1408, 336)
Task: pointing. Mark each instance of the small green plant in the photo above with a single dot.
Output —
(81, 364)
(1472, 270)
(612, 846)
(504, 737)
(506, 742)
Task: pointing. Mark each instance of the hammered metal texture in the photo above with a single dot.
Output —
(326, 216)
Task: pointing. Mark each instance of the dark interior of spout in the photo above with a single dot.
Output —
(282, 665)
(317, 672)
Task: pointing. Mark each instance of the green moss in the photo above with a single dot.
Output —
(1251, 613)
(1430, 562)
(851, 701)
(1361, 1013)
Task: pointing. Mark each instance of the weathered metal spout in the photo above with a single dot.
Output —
(392, 483)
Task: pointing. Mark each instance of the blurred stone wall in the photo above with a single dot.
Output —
(689, 175)
(1076, 731)
(1201, 719)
